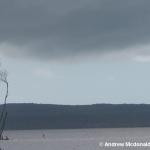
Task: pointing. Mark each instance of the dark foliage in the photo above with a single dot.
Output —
(44, 116)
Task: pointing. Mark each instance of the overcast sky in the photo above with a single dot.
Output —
(76, 51)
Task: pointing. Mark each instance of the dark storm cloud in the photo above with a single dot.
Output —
(52, 29)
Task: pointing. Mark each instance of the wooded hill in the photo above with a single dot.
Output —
(47, 116)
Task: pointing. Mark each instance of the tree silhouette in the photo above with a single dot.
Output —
(3, 113)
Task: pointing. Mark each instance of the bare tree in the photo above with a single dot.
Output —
(3, 114)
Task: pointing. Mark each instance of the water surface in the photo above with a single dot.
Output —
(77, 139)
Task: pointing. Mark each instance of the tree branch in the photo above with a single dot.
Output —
(3, 116)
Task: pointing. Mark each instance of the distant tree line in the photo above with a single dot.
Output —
(40, 116)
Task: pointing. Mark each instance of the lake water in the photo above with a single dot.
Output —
(78, 139)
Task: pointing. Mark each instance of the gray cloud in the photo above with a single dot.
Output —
(51, 29)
